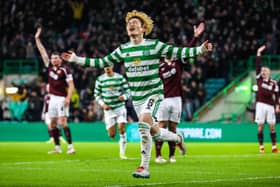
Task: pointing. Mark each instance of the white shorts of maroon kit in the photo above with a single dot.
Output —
(265, 113)
(57, 107)
(170, 109)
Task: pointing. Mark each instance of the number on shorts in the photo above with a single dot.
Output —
(150, 103)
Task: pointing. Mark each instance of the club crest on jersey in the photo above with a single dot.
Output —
(136, 61)
(146, 53)
(111, 87)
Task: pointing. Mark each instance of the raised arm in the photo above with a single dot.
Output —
(260, 50)
(258, 59)
(197, 31)
(41, 48)
(106, 61)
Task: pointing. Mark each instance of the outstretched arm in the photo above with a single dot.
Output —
(258, 60)
(184, 52)
(41, 48)
(106, 61)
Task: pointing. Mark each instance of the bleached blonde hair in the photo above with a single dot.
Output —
(147, 20)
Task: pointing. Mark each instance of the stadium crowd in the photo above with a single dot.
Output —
(236, 28)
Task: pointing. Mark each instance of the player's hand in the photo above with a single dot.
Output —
(260, 50)
(67, 101)
(38, 33)
(106, 107)
(277, 109)
(198, 30)
(43, 116)
(206, 46)
(68, 56)
(121, 98)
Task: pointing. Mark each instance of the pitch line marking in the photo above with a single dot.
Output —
(200, 181)
(62, 161)
(79, 170)
(108, 159)
(92, 169)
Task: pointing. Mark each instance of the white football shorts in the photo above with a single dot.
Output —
(150, 106)
(265, 112)
(57, 108)
(170, 109)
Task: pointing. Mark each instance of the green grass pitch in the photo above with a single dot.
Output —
(97, 164)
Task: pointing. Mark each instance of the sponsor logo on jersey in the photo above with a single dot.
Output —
(138, 69)
(169, 73)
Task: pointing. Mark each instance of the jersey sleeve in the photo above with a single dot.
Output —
(112, 58)
(127, 93)
(68, 74)
(97, 93)
(179, 52)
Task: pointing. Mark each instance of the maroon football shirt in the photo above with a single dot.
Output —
(268, 91)
(58, 78)
(171, 75)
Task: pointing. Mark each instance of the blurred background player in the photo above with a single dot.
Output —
(266, 99)
(111, 92)
(46, 118)
(141, 59)
(170, 109)
(61, 87)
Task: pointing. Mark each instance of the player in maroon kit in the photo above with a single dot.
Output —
(61, 88)
(267, 102)
(170, 109)
(46, 118)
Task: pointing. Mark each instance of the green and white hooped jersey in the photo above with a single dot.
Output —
(141, 64)
(108, 89)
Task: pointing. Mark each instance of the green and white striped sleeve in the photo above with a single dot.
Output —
(97, 93)
(179, 52)
(114, 57)
(127, 93)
